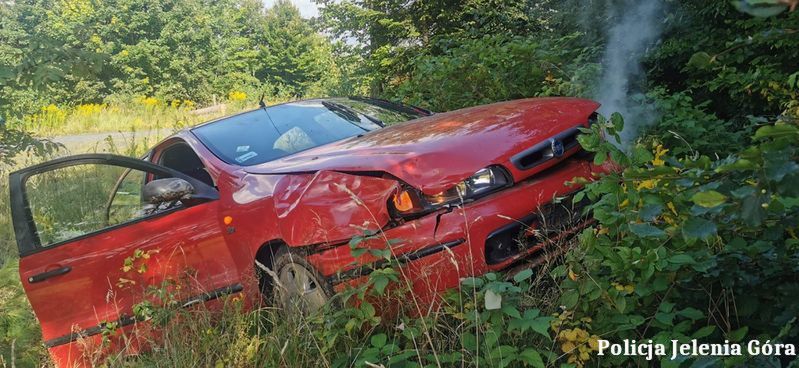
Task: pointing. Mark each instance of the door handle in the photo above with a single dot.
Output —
(46, 275)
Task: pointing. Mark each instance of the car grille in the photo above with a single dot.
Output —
(548, 222)
(543, 151)
(560, 215)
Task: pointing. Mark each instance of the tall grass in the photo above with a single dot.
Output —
(141, 114)
(461, 333)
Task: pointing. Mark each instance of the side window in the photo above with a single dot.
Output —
(76, 200)
(180, 157)
(125, 202)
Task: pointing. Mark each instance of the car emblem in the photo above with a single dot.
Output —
(557, 147)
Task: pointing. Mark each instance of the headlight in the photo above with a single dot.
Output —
(483, 182)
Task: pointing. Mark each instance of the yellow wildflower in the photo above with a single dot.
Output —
(593, 342)
(89, 109)
(673, 209)
(237, 96)
(51, 109)
(150, 101)
(623, 288)
(647, 184)
(577, 343)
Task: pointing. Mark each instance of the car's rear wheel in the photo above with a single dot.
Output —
(299, 287)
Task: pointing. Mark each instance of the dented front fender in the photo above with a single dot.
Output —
(330, 206)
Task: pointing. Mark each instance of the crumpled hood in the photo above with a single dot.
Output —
(436, 152)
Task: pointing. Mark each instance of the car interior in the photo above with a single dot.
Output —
(181, 157)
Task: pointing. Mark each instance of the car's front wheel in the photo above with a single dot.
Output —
(298, 286)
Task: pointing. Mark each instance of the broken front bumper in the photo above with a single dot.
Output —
(438, 250)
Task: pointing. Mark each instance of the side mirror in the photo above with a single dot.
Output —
(167, 190)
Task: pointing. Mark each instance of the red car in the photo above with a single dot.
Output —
(281, 191)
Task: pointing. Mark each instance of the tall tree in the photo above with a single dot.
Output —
(296, 56)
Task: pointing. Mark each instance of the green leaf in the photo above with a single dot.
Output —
(777, 130)
(700, 60)
(752, 212)
(355, 241)
(650, 211)
(523, 275)
(532, 358)
(691, 313)
(618, 121)
(569, 298)
(541, 326)
(780, 165)
(738, 165)
(620, 303)
(472, 282)
(469, 341)
(738, 334)
(681, 259)
(379, 340)
(647, 231)
(703, 332)
(789, 202)
(511, 311)
(709, 199)
(665, 318)
(698, 228)
(380, 284)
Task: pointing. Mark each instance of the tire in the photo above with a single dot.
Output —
(299, 288)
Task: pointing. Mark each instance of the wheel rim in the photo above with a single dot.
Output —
(300, 289)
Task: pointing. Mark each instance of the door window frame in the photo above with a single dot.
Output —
(25, 230)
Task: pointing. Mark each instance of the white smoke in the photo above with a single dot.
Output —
(638, 27)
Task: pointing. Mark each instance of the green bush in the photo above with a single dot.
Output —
(496, 68)
(691, 247)
(687, 128)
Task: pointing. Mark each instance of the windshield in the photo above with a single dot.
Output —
(267, 134)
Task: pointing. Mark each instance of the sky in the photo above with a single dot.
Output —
(307, 8)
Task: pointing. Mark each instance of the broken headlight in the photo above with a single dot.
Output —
(483, 182)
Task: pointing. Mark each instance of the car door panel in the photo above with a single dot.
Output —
(98, 290)
(78, 286)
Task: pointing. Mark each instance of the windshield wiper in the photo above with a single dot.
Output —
(351, 114)
(391, 105)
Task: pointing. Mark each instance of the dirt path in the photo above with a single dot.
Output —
(96, 142)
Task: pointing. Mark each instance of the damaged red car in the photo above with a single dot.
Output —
(274, 196)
